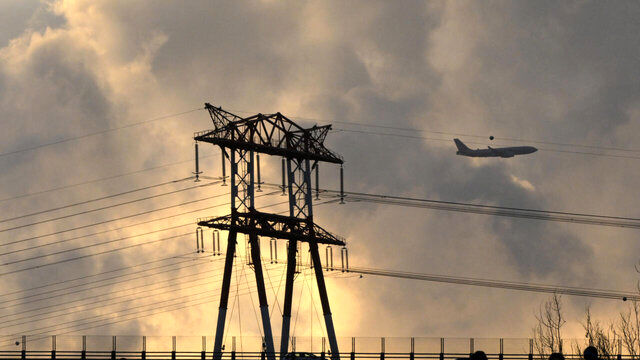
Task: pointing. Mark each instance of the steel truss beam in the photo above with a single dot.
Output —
(273, 225)
(272, 134)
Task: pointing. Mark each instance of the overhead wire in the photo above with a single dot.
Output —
(472, 142)
(20, 301)
(108, 241)
(100, 179)
(96, 199)
(93, 254)
(117, 228)
(537, 214)
(108, 207)
(36, 317)
(114, 219)
(485, 136)
(99, 132)
(12, 262)
(49, 292)
(90, 276)
(181, 305)
(500, 284)
(388, 127)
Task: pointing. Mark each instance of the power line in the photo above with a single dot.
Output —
(471, 142)
(501, 284)
(97, 199)
(112, 229)
(108, 207)
(179, 299)
(100, 283)
(561, 216)
(575, 218)
(90, 276)
(485, 136)
(112, 220)
(98, 132)
(93, 254)
(182, 304)
(39, 317)
(95, 244)
(107, 251)
(465, 134)
(101, 179)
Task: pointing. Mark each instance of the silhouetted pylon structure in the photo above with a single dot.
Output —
(302, 148)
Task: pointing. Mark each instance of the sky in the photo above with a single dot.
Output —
(539, 70)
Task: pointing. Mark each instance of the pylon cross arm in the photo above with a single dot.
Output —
(272, 134)
(273, 225)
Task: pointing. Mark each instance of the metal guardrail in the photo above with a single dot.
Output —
(199, 347)
(142, 355)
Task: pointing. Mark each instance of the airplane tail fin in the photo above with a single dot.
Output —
(461, 146)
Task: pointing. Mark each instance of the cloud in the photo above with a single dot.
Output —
(521, 70)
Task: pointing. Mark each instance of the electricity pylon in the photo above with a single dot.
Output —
(303, 149)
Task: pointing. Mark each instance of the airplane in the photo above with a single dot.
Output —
(505, 152)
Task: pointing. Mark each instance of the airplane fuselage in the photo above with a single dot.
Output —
(504, 152)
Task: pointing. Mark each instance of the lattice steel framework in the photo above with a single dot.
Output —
(303, 149)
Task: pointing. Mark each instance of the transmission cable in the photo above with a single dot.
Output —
(115, 219)
(92, 275)
(561, 216)
(109, 206)
(326, 121)
(501, 284)
(99, 284)
(101, 179)
(207, 300)
(118, 228)
(97, 199)
(131, 308)
(164, 308)
(109, 251)
(94, 244)
(484, 136)
(93, 254)
(472, 142)
(39, 316)
(98, 132)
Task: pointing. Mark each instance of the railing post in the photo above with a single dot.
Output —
(353, 348)
(53, 347)
(173, 347)
(324, 345)
(471, 346)
(113, 348)
(413, 349)
(619, 349)
(530, 349)
(233, 348)
(143, 355)
(441, 348)
(203, 354)
(84, 347)
(381, 348)
(501, 356)
(24, 347)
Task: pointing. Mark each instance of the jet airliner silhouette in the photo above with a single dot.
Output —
(505, 152)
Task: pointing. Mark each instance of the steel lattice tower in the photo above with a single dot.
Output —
(303, 149)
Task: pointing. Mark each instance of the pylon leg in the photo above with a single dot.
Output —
(288, 297)
(224, 295)
(324, 300)
(262, 296)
